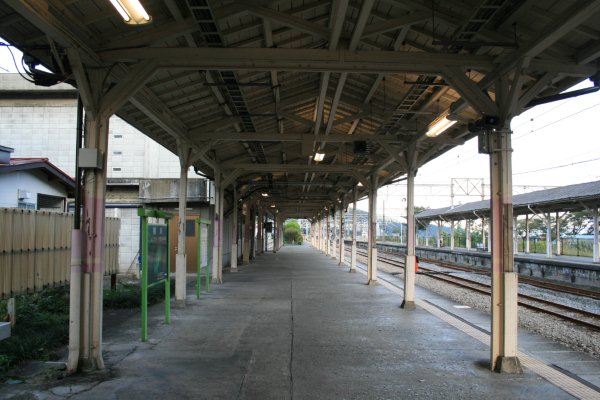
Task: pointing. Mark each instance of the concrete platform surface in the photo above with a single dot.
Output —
(293, 325)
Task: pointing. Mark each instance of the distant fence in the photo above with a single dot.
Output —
(35, 249)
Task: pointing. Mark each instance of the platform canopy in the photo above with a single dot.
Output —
(578, 197)
(257, 88)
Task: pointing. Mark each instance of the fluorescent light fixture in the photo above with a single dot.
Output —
(131, 11)
(360, 184)
(264, 194)
(319, 156)
(439, 125)
(272, 205)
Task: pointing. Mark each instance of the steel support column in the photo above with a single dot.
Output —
(548, 235)
(558, 244)
(526, 233)
(409, 266)
(468, 234)
(596, 253)
(259, 232)
(341, 235)
(372, 242)
(353, 251)
(596, 256)
(217, 254)
(180, 256)
(327, 233)
(246, 234)
(94, 195)
(275, 233)
(504, 279)
(321, 235)
(234, 232)
(334, 243)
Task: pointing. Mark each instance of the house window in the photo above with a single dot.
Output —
(116, 169)
(118, 136)
(50, 203)
(190, 228)
(117, 153)
(27, 206)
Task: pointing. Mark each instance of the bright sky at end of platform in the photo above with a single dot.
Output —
(555, 144)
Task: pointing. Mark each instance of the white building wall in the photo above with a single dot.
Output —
(32, 181)
(129, 238)
(46, 128)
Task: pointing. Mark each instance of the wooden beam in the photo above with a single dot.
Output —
(305, 60)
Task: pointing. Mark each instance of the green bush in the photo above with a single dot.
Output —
(129, 295)
(43, 320)
(42, 327)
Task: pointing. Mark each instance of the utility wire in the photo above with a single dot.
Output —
(557, 121)
(557, 166)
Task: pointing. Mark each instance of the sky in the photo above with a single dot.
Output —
(555, 144)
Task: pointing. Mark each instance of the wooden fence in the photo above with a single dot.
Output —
(35, 249)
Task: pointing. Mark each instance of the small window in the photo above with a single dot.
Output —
(190, 228)
(116, 169)
(117, 153)
(27, 206)
(118, 136)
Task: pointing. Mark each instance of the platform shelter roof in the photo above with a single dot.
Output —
(253, 90)
(578, 197)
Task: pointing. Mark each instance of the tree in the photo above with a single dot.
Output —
(292, 232)
(577, 222)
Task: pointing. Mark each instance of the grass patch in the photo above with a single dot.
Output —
(42, 327)
(43, 321)
(129, 295)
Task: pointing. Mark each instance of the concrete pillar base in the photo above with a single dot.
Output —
(408, 305)
(352, 270)
(87, 365)
(372, 283)
(233, 270)
(508, 365)
(178, 303)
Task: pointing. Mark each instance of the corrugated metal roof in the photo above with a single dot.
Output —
(567, 198)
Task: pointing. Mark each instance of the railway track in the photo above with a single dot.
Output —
(574, 315)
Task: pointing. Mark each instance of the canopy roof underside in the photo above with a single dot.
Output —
(253, 89)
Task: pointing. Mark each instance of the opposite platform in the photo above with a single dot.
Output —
(296, 325)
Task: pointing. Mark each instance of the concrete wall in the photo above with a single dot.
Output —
(563, 271)
(46, 128)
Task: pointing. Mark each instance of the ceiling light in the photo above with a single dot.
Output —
(264, 194)
(319, 156)
(272, 205)
(439, 125)
(360, 184)
(131, 11)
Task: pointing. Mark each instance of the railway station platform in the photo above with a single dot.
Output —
(295, 324)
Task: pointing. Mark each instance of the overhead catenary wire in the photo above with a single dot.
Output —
(557, 166)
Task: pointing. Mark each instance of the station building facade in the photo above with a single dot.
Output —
(40, 122)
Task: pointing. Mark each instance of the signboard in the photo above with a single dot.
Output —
(157, 253)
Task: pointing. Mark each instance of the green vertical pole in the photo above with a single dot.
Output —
(208, 245)
(168, 277)
(199, 263)
(144, 278)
